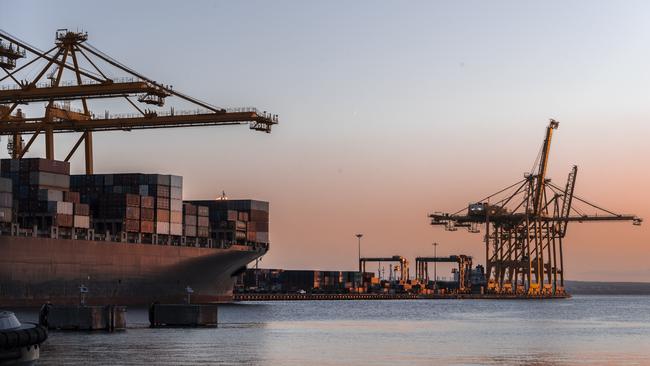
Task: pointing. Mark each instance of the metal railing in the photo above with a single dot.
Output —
(46, 84)
(7, 47)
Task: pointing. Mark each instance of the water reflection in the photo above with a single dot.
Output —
(579, 331)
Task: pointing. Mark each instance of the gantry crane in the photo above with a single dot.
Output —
(464, 269)
(69, 50)
(403, 264)
(525, 224)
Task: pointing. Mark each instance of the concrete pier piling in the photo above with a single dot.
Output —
(81, 317)
(183, 315)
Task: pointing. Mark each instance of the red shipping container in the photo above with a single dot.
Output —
(189, 209)
(146, 227)
(81, 209)
(132, 226)
(132, 200)
(62, 220)
(162, 191)
(73, 197)
(147, 202)
(147, 214)
(162, 203)
(133, 213)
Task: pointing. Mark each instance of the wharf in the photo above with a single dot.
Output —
(306, 297)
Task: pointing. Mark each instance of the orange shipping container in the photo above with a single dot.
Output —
(162, 216)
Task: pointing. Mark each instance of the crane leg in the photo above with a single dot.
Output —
(88, 144)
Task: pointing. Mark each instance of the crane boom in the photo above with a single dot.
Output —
(61, 118)
(543, 164)
(568, 198)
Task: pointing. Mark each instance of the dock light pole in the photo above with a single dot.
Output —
(359, 236)
(435, 267)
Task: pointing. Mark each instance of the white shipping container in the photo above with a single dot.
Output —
(162, 179)
(5, 214)
(162, 227)
(82, 221)
(60, 207)
(175, 205)
(50, 195)
(176, 229)
(49, 179)
(176, 193)
(176, 181)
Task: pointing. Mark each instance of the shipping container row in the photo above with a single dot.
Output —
(43, 193)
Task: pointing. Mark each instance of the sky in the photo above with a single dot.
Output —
(388, 111)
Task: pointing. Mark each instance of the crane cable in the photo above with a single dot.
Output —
(95, 50)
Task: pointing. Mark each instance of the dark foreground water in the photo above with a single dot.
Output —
(584, 330)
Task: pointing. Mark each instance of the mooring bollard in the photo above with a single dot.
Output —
(80, 317)
(183, 315)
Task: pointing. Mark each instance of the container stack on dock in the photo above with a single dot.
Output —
(291, 281)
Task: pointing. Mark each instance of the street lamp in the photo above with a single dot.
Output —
(359, 236)
(435, 267)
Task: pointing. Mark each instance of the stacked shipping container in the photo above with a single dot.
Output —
(238, 221)
(136, 203)
(196, 221)
(6, 200)
(41, 189)
(42, 192)
(289, 281)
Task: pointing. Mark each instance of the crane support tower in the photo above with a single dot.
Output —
(525, 224)
(88, 83)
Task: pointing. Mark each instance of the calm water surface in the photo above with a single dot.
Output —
(584, 330)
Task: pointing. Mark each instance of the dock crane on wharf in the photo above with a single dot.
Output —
(525, 224)
(70, 49)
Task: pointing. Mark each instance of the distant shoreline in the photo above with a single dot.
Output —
(607, 288)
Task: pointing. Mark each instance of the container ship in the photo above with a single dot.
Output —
(118, 238)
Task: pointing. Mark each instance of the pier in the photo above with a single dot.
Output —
(312, 297)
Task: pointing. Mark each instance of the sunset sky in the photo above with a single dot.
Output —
(388, 111)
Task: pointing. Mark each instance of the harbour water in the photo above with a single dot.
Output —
(583, 330)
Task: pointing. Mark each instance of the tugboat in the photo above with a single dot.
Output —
(19, 343)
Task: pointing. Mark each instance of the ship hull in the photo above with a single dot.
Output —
(37, 270)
